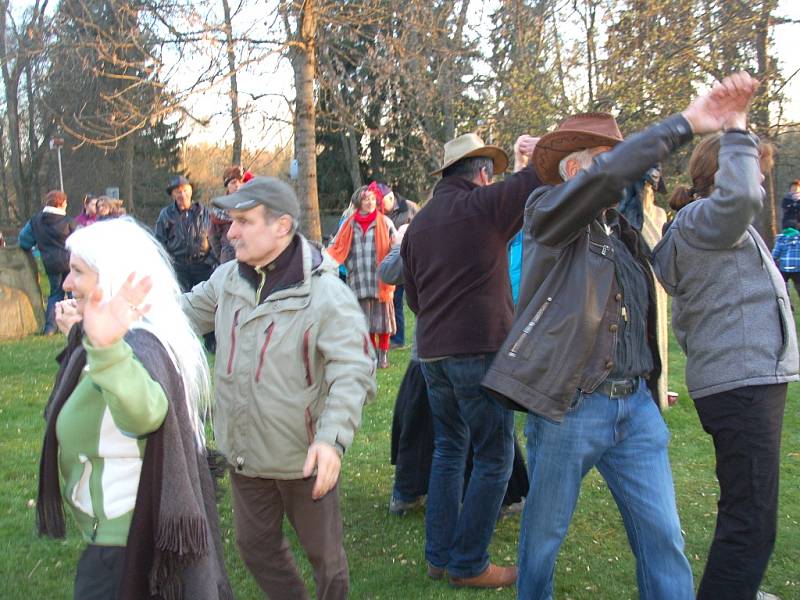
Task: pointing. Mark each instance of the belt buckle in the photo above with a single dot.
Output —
(621, 388)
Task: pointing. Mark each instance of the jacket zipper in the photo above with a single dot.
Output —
(233, 341)
(604, 248)
(268, 335)
(527, 329)
(260, 285)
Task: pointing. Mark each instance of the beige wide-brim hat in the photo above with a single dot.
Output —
(578, 132)
(469, 145)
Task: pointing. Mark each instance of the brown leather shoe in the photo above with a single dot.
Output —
(493, 577)
(435, 573)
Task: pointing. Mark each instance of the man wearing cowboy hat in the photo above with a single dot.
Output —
(182, 228)
(582, 356)
(456, 278)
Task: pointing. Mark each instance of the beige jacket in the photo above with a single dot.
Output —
(290, 371)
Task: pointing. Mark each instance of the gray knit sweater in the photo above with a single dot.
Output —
(730, 312)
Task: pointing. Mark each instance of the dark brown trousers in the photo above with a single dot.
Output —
(258, 509)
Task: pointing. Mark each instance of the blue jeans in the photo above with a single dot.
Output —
(626, 439)
(56, 295)
(399, 337)
(458, 535)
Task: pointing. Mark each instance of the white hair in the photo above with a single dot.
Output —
(584, 158)
(116, 248)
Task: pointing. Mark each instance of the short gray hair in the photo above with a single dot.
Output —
(584, 158)
(468, 168)
(273, 215)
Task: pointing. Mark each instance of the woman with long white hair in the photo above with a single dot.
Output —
(124, 445)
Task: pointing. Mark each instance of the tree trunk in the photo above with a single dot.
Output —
(373, 122)
(236, 152)
(591, 51)
(305, 145)
(350, 149)
(5, 200)
(760, 115)
(35, 153)
(448, 75)
(128, 153)
(11, 86)
(559, 62)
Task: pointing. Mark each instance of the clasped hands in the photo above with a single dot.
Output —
(724, 107)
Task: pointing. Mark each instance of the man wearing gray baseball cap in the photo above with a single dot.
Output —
(293, 370)
(274, 194)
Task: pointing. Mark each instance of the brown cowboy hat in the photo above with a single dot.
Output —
(469, 145)
(578, 132)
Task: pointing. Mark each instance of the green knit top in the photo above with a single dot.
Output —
(101, 434)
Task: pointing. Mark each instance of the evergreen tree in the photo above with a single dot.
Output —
(104, 91)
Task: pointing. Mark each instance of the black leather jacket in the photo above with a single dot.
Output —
(184, 234)
(565, 328)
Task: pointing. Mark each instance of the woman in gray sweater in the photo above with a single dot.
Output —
(731, 316)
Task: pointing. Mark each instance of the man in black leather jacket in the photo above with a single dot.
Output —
(183, 228)
(582, 356)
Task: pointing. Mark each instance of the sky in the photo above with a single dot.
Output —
(786, 51)
(269, 127)
(278, 77)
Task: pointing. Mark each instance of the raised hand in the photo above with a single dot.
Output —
(523, 150)
(724, 106)
(67, 315)
(105, 323)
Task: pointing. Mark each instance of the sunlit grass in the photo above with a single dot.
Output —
(386, 553)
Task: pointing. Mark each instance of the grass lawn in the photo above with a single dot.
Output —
(385, 552)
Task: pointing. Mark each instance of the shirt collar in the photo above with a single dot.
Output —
(55, 210)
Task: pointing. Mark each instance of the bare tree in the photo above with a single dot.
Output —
(236, 123)
(300, 19)
(18, 55)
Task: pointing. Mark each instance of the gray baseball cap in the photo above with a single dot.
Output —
(273, 193)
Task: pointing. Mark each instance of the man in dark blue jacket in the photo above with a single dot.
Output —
(791, 207)
(48, 230)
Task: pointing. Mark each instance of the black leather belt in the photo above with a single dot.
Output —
(618, 388)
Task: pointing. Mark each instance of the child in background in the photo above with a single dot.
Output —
(787, 256)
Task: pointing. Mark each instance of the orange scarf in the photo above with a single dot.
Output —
(340, 250)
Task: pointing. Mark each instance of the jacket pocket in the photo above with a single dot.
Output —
(307, 356)
(81, 496)
(518, 345)
(784, 330)
(232, 352)
(311, 426)
(267, 337)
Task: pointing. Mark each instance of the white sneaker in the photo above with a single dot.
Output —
(760, 595)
